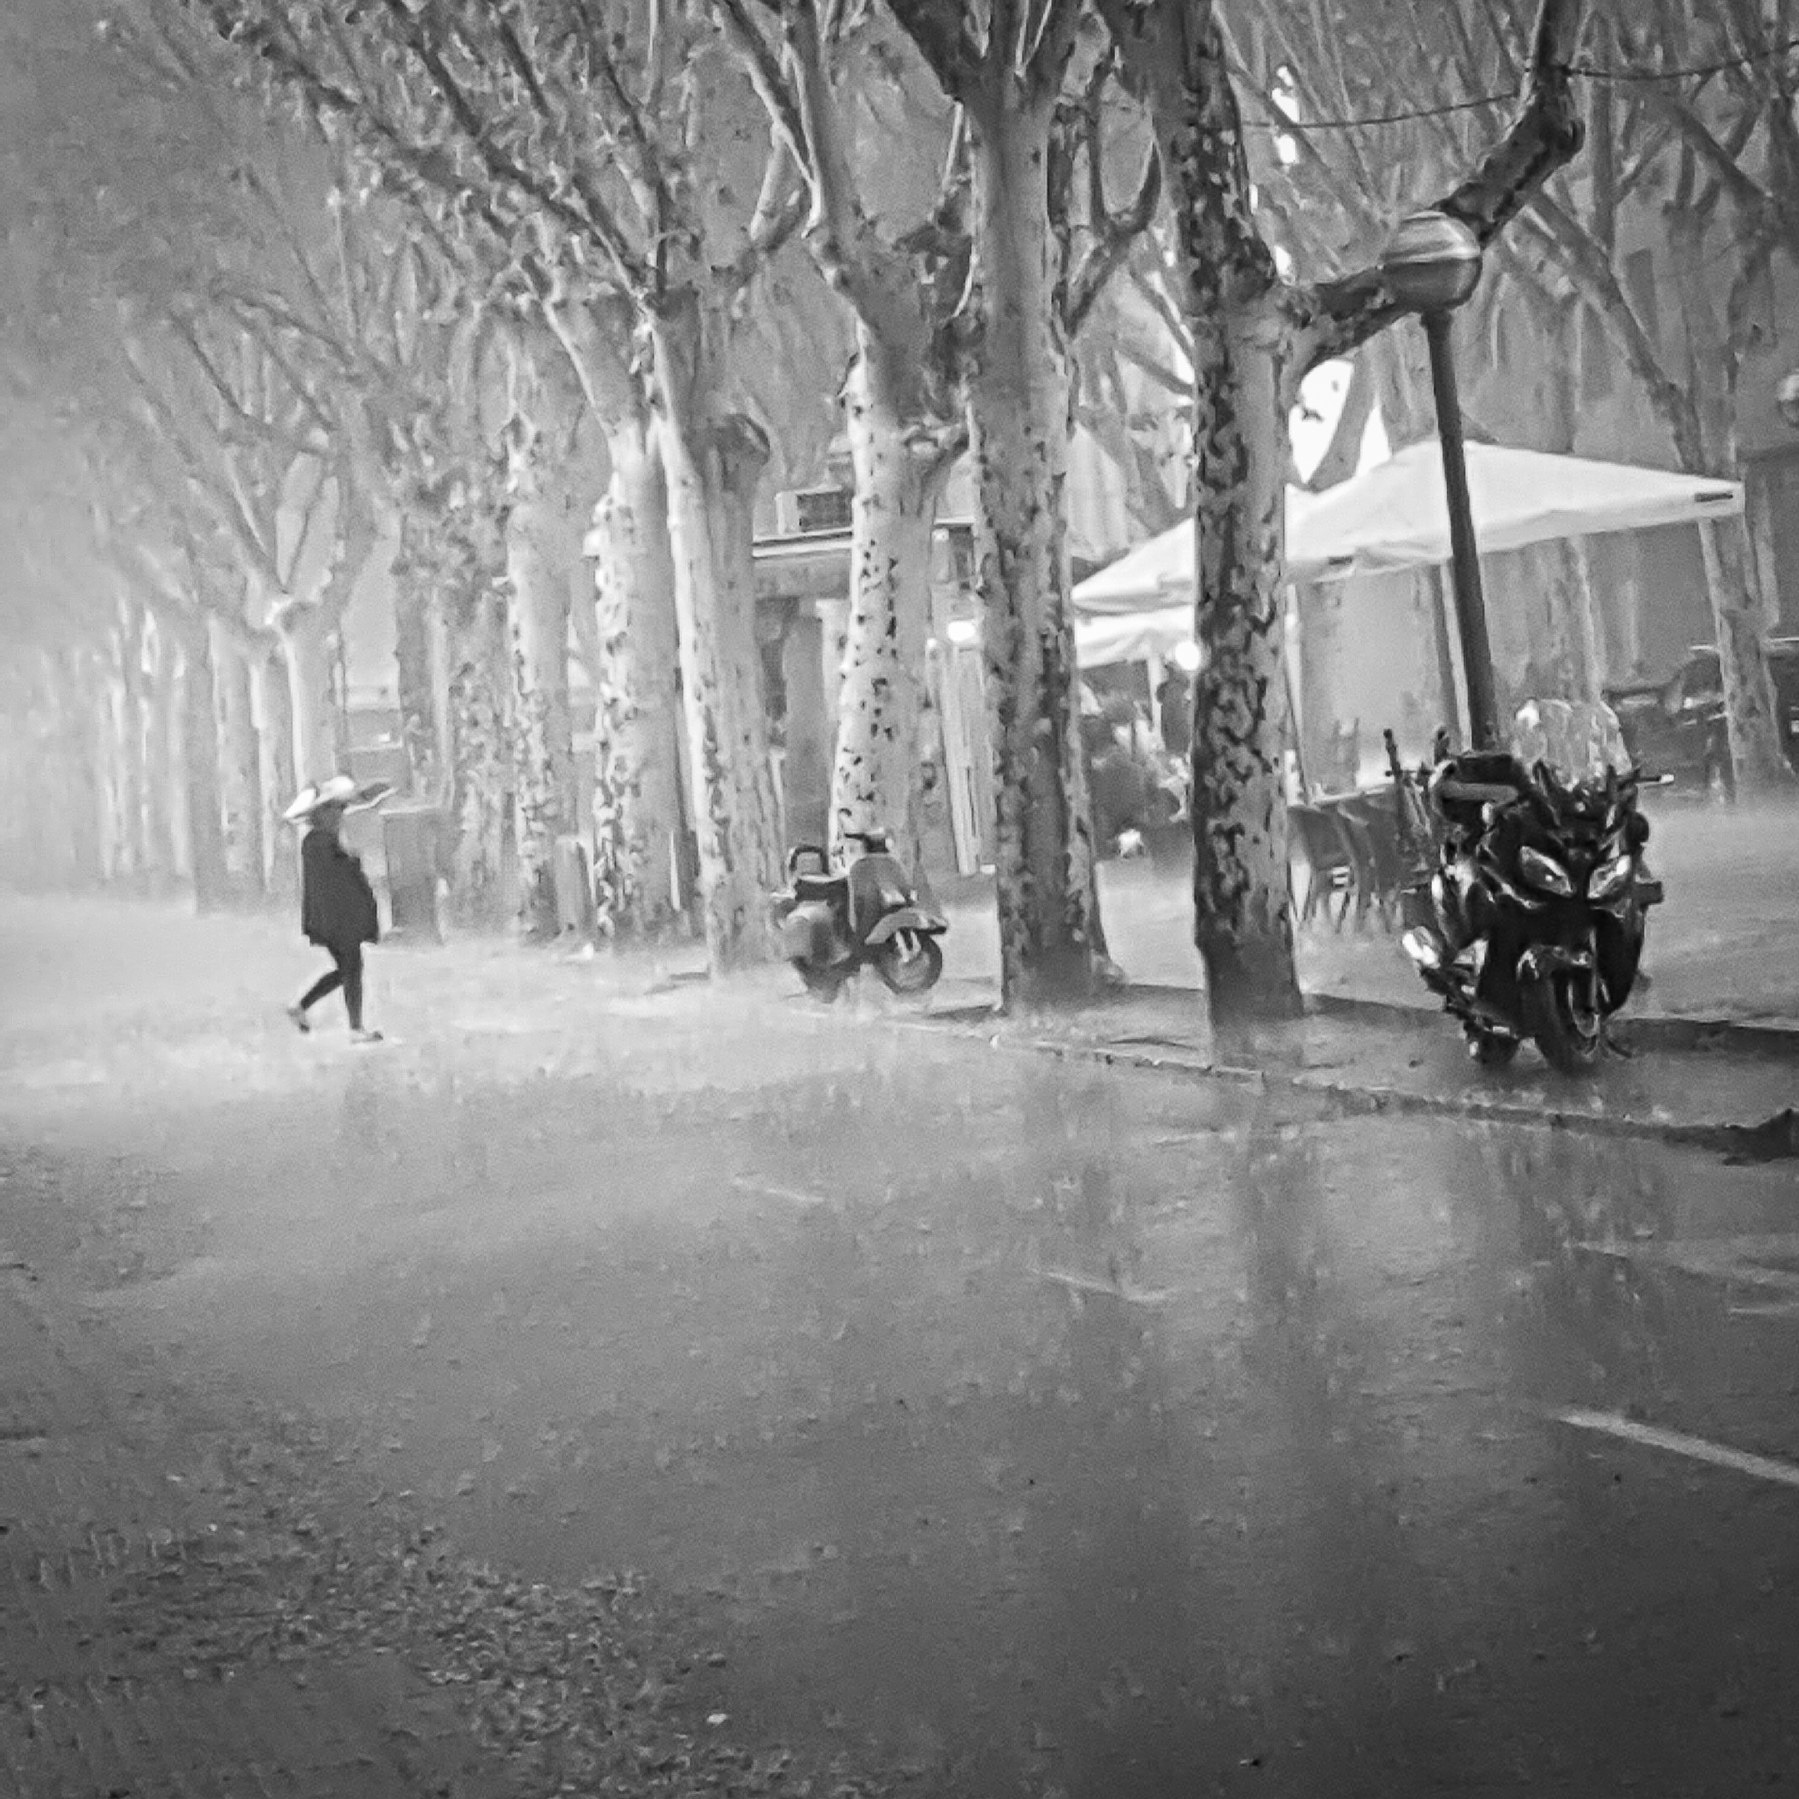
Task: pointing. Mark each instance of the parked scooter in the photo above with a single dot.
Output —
(1532, 923)
(832, 923)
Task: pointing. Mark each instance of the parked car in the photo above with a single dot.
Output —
(1676, 727)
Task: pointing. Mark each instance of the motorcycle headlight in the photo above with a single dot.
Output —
(1545, 872)
(1609, 877)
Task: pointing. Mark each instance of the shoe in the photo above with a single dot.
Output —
(298, 1015)
(365, 1036)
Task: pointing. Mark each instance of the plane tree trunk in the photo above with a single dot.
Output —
(629, 630)
(1703, 422)
(274, 682)
(480, 738)
(1243, 926)
(417, 577)
(712, 459)
(549, 497)
(1017, 377)
(1255, 337)
(164, 798)
(637, 813)
(901, 460)
(200, 766)
(240, 766)
(1019, 383)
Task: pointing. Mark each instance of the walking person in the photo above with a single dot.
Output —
(337, 904)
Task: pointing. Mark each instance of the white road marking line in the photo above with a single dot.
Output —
(1734, 1259)
(762, 1190)
(1677, 1442)
(1087, 1283)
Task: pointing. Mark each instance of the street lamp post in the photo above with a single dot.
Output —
(1431, 265)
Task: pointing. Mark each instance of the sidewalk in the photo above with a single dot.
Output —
(1724, 945)
(1402, 1060)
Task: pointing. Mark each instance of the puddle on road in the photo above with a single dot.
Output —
(1056, 1430)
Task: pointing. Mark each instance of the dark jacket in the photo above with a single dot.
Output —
(1121, 789)
(337, 904)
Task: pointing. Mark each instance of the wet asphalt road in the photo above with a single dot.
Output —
(1043, 1428)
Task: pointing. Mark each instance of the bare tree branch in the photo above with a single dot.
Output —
(1114, 233)
(941, 30)
(1546, 133)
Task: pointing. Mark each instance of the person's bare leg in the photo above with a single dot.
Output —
(350, 965)
(311, 997)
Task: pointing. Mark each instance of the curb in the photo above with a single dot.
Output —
(1655, 1030)
(1347, 1098)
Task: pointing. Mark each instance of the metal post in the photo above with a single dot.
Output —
(1470, 607)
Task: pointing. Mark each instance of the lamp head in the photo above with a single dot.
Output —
(1432, 262)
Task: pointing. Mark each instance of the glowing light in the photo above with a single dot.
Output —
(963, 631)
(1186, 658)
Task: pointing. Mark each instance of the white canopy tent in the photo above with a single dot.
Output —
(1395, 516)
(1159, 574)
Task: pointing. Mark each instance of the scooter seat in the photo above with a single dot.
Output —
(1476, 793)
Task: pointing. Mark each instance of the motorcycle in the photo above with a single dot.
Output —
(833, 923)
(1532, 922)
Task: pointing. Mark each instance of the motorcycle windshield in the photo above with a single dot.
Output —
(1578, 739)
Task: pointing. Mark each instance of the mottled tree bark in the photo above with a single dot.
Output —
(1704, 429)
(420, 703)
(134, 864)
(712, 460)
(810, 735)
(1752, 717)
(1051, 947)
(550, 496)
(900, 467)
(1243, 924)
(274, 677)
(106, 708)
(72, 691)
(637, 811)
(240, 767)
(162, 789)
(307, 627)
(480, 780)
(627, 626)
(1255, 336)
(200, 768)
(306, 649)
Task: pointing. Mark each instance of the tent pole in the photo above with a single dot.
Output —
(1449, 693)
(1295, 735)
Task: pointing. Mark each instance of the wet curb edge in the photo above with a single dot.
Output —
(1350, 1098)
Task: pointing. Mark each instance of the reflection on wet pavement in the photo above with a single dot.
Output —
(1065, 1431)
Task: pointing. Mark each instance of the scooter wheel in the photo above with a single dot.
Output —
(910, 962)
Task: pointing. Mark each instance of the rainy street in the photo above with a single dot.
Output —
(897, 899)
(612, 1384)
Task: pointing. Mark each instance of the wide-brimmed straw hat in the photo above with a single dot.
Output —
(339, 790)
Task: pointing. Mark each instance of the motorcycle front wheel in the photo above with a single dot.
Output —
(910, 962)
(1562, 1014)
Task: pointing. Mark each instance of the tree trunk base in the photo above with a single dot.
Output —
(1250, 990)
